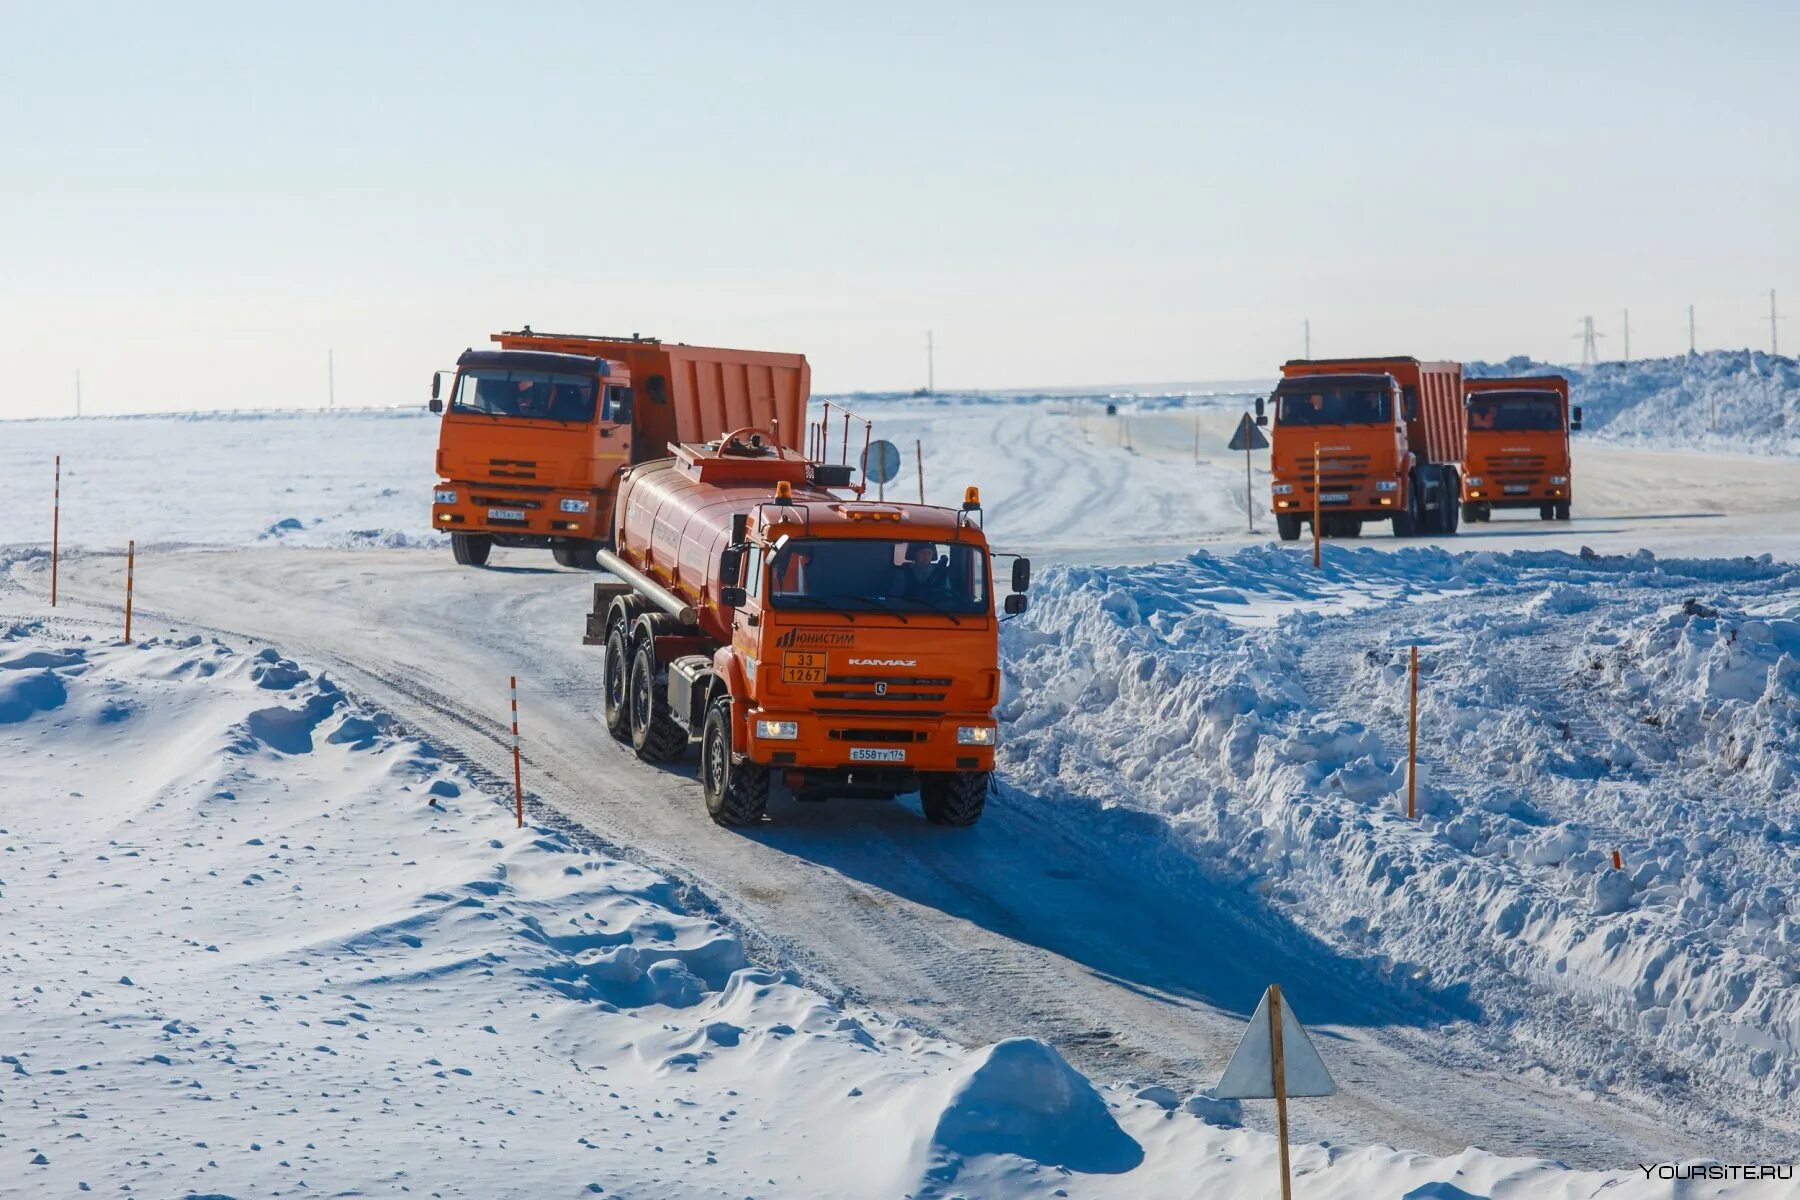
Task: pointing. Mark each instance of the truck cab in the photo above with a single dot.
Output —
(528, 450)
(1518, 447)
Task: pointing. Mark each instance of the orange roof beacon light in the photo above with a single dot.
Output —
(784, 492)
(971, 499)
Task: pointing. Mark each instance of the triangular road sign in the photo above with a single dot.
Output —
(1248, 436)
(1250, 1075)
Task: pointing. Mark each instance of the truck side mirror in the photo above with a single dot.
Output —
(1016, 604)
(437, 379)
(1575, 425)
(1021, 579)
(732, 597)
(621, 405)
(436, 405)
(731, 564)
(1259, 410)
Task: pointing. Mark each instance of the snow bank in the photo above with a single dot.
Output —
(1741, 400)
(1570, 706)
(261, 941)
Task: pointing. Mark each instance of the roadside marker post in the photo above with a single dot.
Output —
(919, 457)
(1412, 744)
(1275, 1060)
(55, 529)
(1618, 861)
(1247, 438)
(1315, 523)
(518, 788)
(130, 573)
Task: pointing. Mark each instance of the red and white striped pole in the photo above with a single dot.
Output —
(55, 529)
(518, 789)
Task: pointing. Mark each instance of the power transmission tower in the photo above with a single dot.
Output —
(1773, 348)
(330, 380)
(1690, 330)
(1625, 350)
(930, 365)
(1306, 327)
(1590, 345)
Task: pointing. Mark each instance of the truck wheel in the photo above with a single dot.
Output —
(1352, 527)
(470, 549)
(955, 798)
(615, 676)
(1406, 520)
(1546, 512)
(736, 792)
(1288, 526)
(1449, 509)
(1562, 511)
(1470, 513)
(654, 734)
(584, 557)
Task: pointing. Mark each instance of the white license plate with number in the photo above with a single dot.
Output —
(1516, 489)
(1334, 497)
(506, 514)
(871, 754)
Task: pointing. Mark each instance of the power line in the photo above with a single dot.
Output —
(1690, 330)
(1626, 349)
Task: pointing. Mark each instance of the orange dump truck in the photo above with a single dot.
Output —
(842, 646)
(1388, 436)
(1518, 452)
(536, 432)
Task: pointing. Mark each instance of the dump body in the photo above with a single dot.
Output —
(1389, 433)
(1518, 445)
(851, 664)
(516, 478)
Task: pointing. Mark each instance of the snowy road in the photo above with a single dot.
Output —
(1090, 938)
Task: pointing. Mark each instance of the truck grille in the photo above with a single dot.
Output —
(505, 501)
(512, 468)
(890, 736)
(879, 698)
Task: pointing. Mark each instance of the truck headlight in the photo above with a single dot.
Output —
(1284, 489)
(1472, 480)
(1387, 485)
(1559, 480)
(575, 506)
(975, 735)
(778, 731)
(443, 496)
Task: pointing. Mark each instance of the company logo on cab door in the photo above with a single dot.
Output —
(816, 638)
(884, 662)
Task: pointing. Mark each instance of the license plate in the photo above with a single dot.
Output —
(870, 754)
(1517, 489)
(1334, 497)
(506, 514)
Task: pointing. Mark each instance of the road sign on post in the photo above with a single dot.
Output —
(881, 462)
(1247, 438)
(1275, 1060)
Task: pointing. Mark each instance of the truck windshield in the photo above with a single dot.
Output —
(1326, 405)
(868, 575)
(1515, 412)
(531, 394)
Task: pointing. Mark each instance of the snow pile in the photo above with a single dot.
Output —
(1741, 400)
(261, 941)
(1570, 706)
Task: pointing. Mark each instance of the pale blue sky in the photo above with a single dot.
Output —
(199, 200)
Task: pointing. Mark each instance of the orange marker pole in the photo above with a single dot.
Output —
(1412, 745)
(1618, 861)
(1278, 1065)
(1315, 506)
(518, 789)
(55, 529)
(130, 571)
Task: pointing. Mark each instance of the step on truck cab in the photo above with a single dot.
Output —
(1388, 434)
(799, 633)
(536, 433)
(1518, 446)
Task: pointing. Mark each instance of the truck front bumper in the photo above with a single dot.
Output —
(1361, 497)
(515, 517)
(1516, 493)
(849, 744)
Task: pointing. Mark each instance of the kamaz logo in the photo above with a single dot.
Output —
(816, 638)
(884, 662)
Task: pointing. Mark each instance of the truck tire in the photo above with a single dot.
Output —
(1471, 513)
(564, 556)
(654, 734)
(1351, 528)
(1449, 509)
(1546, 512)
(953, 798)
(470, 549)
(737, 792)
(615, 684)
(585, 557)
(1288, 526)
(1407, 520)
(1562, 511)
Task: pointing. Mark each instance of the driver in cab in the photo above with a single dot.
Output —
(922, 576)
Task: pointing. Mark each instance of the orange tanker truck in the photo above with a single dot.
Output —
(1518, 452)
(846, 647)
(536, 432)
(1388, 434)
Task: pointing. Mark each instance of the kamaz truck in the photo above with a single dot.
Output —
(1518, 447)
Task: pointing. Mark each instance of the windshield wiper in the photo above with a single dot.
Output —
(884, 606)
(932, 609)
(816, 602)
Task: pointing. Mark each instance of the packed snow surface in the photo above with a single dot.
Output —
(1570, 706)
(262, 941)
